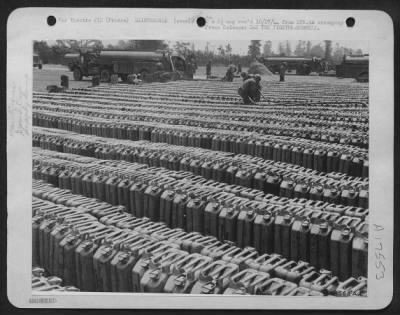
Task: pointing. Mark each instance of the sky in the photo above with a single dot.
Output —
(241, 46)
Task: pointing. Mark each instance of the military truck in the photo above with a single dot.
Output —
(301, 65)
(37, 62)
(108, 62)
(354, 66)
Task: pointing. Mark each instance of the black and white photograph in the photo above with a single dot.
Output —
(237, 167)
(184, 167)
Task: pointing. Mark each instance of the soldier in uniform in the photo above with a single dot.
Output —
(230, 73)
(250, 91)
(208, 69)
(282, 70)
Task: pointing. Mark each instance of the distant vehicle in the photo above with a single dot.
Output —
(302, 65)
(354, 66)
(36, 61)
(108, 62)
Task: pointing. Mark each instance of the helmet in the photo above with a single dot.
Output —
(257, 77)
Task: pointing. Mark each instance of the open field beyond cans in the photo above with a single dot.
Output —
(50, 75)
(178, 187)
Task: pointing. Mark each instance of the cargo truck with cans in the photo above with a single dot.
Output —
(302, 65)
(105, 63)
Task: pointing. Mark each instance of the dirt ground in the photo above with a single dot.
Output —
(50, 75)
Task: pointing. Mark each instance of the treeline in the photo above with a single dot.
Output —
(223, 55)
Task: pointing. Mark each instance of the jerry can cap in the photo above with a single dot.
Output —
(155, 274)
(180, 280)
(209, 287)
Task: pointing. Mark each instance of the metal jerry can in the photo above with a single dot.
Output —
(195, 215)
(211, 214)
(84, 258)
(359, 259)
(103, 257)
(263, 232)
(266, 263)
(349, 197)
(353, 287)
(111, 189)
(245, 281)
(239, 256)
(293, 271)
(99, 186)
(136, 198)
(217, 250)
(272, 184)
(122, 264)
(321, 281)
(179, 209)
(299, 239)
(154, 279)
(214, 279)
(151, 205)
(341, 246)
(320, 233)
(316, 192)
(282, 229)
(244, 230)
(166, 204)
(123, 193)
(275, 286)
(185, 272)
(227, 220)
(332, 161)
(287, 188)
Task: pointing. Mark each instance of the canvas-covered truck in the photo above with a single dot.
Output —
(354, 66)
(108, 62)
(301, 65)
(37, 62)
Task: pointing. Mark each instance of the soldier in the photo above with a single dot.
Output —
(208, 69)
(239, 68)
(230, 73)
(282, 70)
(250, 91)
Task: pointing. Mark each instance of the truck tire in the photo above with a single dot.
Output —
(362, 77)
(77, 73)
(124, 77)
(105, 75)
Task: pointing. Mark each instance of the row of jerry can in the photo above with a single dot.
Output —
(310, 154)
(212, 118)
(274, 113)
(327, 239)
(275, 154)
(40, 282)
(269, 179)
(310, 93)
(321, 111)
(86, 122)
(108, 257)
(142, 191)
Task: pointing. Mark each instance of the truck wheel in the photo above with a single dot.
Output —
(362, 77)
(77, 74)
(105, 75)
(124, 77)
